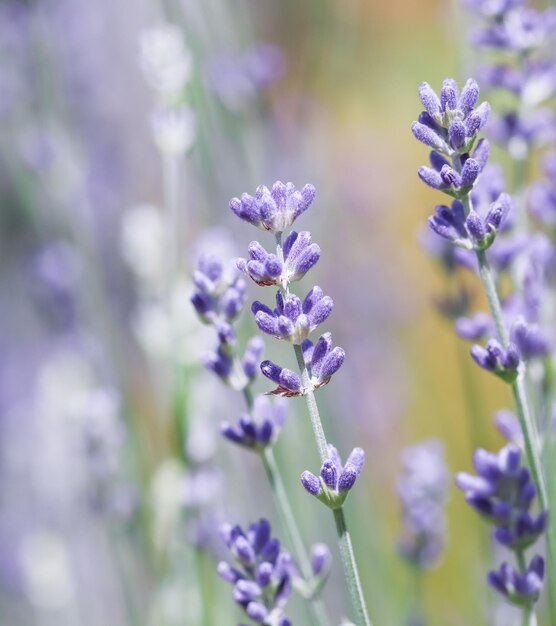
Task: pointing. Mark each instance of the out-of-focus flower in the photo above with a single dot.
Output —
(173, 130)
(423, 490)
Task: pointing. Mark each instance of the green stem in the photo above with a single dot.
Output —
(289, 523)
(312, 406)
(350, 569)
(528, 428)
(528, 612)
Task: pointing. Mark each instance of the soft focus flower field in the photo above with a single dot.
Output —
(126, 129)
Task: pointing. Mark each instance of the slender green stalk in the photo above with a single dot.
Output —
(316, 423)
(528, 613)
(350, 569)
(344, 538)
(316, 606)
(528, 428)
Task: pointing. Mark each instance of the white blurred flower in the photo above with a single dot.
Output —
(166, 493)
(173, 130)
(145, 241)
(165, 60)
(46, 569)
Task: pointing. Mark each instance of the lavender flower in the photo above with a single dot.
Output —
(503, 362)
(474, 327)
(450, 122)
(300, 255)
(321, 360)
(530, 340)
(274, 210)
(292, 319)
(335, 481)
(444, 177)
(423, 490)
(217, 297)
(503, 494)
(522, 589)
(542, 194)
(259, 430)
(261, 573)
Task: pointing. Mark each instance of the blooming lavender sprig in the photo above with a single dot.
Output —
(503, 493)
(423, 490)
(261, 572)
(293, 320)
(300, 255)
(321, 360)
(276, 209)
(335, 481)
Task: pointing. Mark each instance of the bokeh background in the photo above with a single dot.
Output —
(98, 515)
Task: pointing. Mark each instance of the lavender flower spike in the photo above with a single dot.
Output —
(261, 573)
(335, 481)
(503, 494)
(423, 491)
(276, 209)
(503, 362)
(260, 430)
(521, 589)
(322, 360)
(289, 383)
(293, 320)
(300, 255)
(450, 122)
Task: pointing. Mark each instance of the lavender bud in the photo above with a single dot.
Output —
(311, 483)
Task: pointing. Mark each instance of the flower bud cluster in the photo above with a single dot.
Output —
(335, 481)
(261, 572)
(503, 494)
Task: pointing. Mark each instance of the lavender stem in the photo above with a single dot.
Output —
(289, 523)
(350, 568)
(530, 436)
(528, 614)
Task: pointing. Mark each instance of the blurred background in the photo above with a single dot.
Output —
(113, 477)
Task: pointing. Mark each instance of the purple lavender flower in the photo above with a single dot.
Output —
(503, 362)
(260, 429)
(300, 255)
(470, 231)
(542, 194)
(292, 319)
(503, 494)
(335, 480)
(423, 490)
(450, 122)
(276, 209)
(475, 327)
(261, 573)
(530, 340)
(321, 360)
(321, 560)
(508, 426)
(521, 30)
(522, 589)
(444, 177)
(252, 357)
(492, 8)
(217, 297)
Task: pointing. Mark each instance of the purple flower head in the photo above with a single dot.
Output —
(292, 319)
(450, 122)
(471, 231)
(321, 359)
(503, 362)
(335, 480)
(521, 30)
(502, 76)
(423, 490)
(300, 255)
(522, 589)
(503, 494)
(261, 573)
(450, 257)
(274, 210)
(219, 295)
(260, 429)
(444, 177)
(531, 340)
(475, 327)
(220, 363)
